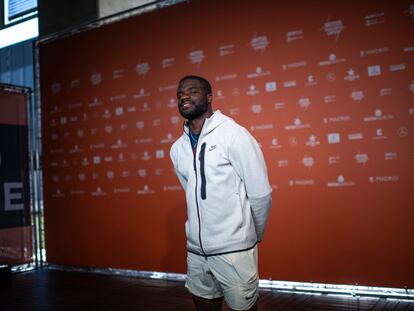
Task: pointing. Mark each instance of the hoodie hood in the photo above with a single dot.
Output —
(210, 124)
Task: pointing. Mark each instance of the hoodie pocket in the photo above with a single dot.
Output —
(202, 172)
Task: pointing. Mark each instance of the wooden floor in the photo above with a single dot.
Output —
(48, 289)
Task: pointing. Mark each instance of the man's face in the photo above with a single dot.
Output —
(193, 101)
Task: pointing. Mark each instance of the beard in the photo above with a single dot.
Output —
(194, 112)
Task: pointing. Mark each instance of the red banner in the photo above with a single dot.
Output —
(326, 88)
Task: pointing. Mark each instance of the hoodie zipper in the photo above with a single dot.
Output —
(196, 197)
(202, 172)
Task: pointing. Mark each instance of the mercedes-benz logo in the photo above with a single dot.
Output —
(402, 131)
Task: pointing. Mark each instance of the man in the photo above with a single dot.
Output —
(222, 170)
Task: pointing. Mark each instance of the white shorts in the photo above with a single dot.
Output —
(233, 276)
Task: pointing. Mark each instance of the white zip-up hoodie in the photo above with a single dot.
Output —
(226, 185)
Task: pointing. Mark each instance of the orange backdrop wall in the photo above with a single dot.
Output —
(326, 88)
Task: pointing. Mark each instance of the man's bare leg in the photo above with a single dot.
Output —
(203, 304)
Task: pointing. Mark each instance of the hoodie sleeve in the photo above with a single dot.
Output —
(181, 178)
(247, 160)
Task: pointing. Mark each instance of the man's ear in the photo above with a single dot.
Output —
(210, 98)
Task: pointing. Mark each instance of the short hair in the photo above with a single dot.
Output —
(203, 81)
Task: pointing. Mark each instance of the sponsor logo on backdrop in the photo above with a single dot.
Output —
(304, 102)
(408, 49)
(142, 172)
(402, 132)
(175, 120)
(98, 192)
(374, 19)
(341, 182)
(390, 156)
(311, 81)
(294, 35)
(282, 163)
(142, 69)
(74, 84)
(378, 116)
(119, 145)
(333, 28)
(56, 88)
(114, 98)
(234, 111)
(121, 158)
(95, 103)
(262, 127)
(167, 140)
(142, 93)
(252, 90)
(397, 67)
(159, 171)
(332, 59)
(355, 136)
(85, 162)
(385, 91)
(297, 124)
(75, 149)
(357, 96)
(160, 154)
(375, 51)
(279, 105)
(329, 99)
(78, 192)
(259, 43)
(119, 111)
(196, 57)
(312, 141)
(351, 75)
(411, 111)
(308, 162)
(167, 62)
(330, 77)
(258, 73)
(411, 10)
(334, 160)
(361, 158)
(145, 190)
(411, 87)
(294, 65)
(226, 77)
(121, 190)
(301, 182)
(288, 84)
(227, 49)
(58, 194)
(293, 141)
(146, 156)
(75, 105)
(374, 71)
(118, 73)
(171, 188)
(275, 144)
(256, 108)
(219, 95)
(379, 134)
(336, 119)
(270, 86)
(165, 88)
(383, 179)
(96, 79)
(334, 138)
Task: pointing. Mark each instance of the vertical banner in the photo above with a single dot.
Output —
(327, 89)
(16, 245)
